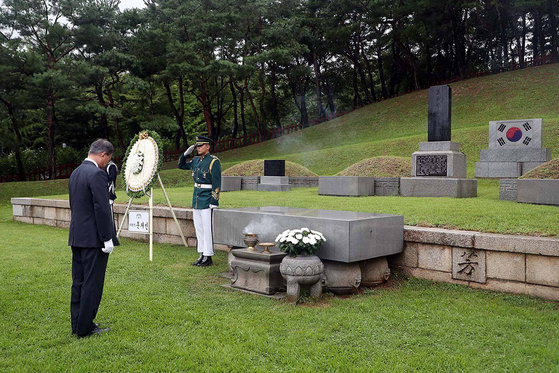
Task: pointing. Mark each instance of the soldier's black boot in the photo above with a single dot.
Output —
(199, 260)
(206, 262)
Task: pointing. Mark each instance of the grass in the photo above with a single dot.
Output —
(169, 316)
(486, 213)
(548, 170)
(379, 167)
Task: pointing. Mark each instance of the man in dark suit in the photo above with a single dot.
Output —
(92, 236)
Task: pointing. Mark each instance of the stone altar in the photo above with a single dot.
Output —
(351, 236)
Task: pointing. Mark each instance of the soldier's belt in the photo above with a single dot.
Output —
(203, 186)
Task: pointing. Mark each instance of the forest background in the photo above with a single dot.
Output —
(75, 70)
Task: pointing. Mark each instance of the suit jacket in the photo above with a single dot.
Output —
(91, 223)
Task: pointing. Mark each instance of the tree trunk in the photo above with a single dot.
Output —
(51, 123)
(553, 31)
(255, 112)
(320, 108)
(274, 96)
(117, 129)
(536, 34)
(381, 73)
(17, 145)
(178, 114)
(371, 82)
(207, 109)
(235, 109)
(104, 120)
(522, 54)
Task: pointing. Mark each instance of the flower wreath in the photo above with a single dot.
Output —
(142, 162)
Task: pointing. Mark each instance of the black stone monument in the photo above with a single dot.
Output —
(440, 102)
(274, 167)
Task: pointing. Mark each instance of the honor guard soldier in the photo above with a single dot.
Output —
(206, 172)
(112, 173)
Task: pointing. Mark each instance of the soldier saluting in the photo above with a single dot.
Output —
(206, 172)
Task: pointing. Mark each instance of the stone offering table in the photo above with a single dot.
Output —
(351, 236)
(256, 271)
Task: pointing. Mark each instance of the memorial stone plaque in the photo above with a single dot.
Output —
(274, 167)
(431, 165)
(439, 113)
(468, 265)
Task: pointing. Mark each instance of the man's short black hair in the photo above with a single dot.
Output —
(101, 146)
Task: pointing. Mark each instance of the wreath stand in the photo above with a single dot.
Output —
(150, 195)
(145, 142)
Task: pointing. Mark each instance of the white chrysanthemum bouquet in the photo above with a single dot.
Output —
(301, 241)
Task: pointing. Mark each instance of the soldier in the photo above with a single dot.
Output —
(206, 172)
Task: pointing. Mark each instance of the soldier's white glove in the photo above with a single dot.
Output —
(189, 150)
(109, 247)
(213, 206)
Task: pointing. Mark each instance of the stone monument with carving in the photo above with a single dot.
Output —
(439, 168)
(515, 147)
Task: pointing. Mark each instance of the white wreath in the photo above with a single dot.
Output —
(141, 166)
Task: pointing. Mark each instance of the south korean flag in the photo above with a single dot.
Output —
(514, 133)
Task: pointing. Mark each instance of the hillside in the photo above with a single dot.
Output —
(396, 126)
(393, 127)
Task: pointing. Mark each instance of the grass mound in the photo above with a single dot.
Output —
(548, 170)
(379, 167)
(256, 168)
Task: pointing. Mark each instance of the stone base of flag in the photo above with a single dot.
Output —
(510, 163)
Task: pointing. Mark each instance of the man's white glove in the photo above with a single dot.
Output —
(189, 150)
(213, 206)
(109, 247)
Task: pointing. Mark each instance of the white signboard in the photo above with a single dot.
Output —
(138, 221)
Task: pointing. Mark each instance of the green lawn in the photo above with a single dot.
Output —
(486, 213)
(169, 316)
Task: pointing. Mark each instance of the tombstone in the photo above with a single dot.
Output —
(439, 113)
(274, 179)
(515, 147)
(274, 167)
(439, 167)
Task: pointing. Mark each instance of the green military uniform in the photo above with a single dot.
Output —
(206, 172)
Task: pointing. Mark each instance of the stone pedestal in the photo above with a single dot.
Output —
(274, 184)
(438, 170)
(256, 271)
(231, 183)
(438, 187)
(346, 186)
(439, 159)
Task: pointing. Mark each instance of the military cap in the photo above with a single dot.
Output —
(202, 140)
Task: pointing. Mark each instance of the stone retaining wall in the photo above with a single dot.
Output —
(517, 264)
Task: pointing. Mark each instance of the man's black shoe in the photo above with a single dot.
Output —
(206, 262)
(76, 332)
(96, 331)
(199, 260)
